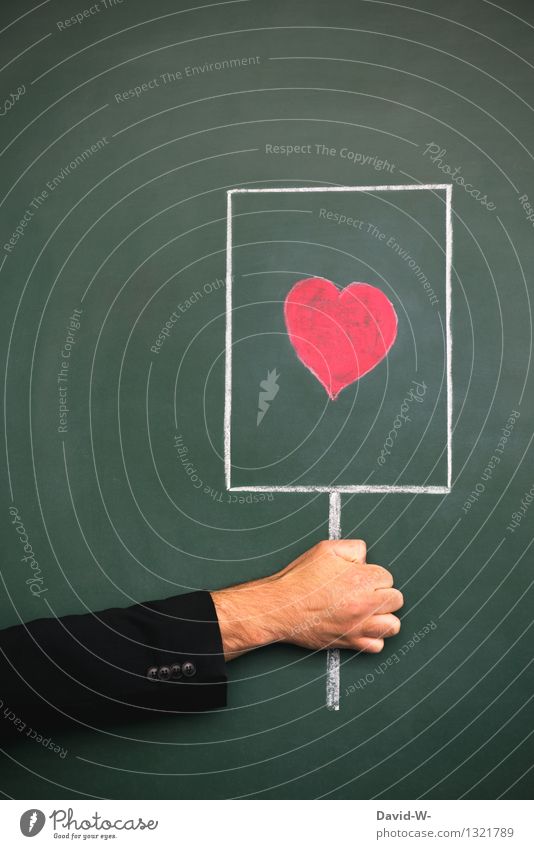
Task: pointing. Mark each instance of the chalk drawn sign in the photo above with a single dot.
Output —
(327, 295)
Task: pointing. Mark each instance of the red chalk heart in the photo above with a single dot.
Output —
(340, 335)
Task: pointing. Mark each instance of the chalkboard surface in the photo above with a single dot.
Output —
(123, 127)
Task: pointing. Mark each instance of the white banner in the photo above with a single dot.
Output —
(267, 824)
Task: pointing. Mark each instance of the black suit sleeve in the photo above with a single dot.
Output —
(159, 657)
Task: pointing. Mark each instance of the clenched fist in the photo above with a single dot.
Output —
(329, 597)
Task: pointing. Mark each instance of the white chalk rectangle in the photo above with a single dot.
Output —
(304, 196)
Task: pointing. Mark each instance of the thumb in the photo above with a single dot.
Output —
(354, 550)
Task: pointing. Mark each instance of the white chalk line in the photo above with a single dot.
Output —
(228, 352)
(448, 330)
(410, 187)
(409, 489)
(333, 658)
(387, 488)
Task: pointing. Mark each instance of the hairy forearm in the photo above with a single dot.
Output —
(248, 616)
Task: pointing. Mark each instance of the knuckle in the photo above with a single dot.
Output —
(385, 575)
(374, 578)
(380, 575)
(361, 572)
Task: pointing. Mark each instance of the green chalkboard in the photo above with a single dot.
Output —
(124, 125)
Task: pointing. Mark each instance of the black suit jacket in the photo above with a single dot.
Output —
(147, 660)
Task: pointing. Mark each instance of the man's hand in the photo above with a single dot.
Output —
(328, 597)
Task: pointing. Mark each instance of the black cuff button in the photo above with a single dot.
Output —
(164, 673)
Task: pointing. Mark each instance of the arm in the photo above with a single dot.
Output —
(136, 661)
(169, 656)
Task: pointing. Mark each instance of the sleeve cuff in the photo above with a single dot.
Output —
(190, 673)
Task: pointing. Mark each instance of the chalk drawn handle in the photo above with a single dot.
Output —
(332, 655)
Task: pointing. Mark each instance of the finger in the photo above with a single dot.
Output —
(379, 576)
(381, 625)
(369, 644)
(387, 601)
(354, 550)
